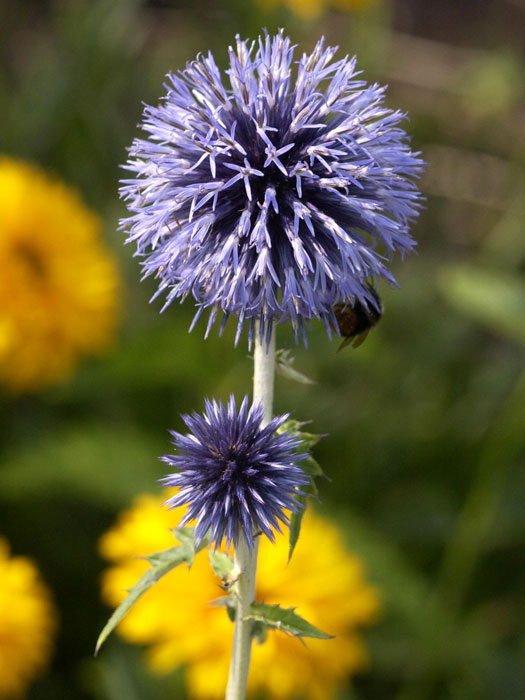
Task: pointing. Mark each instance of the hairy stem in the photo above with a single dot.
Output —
(246, 560)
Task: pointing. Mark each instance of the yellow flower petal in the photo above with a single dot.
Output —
(176, 620)
(27, 623)
(58, 283)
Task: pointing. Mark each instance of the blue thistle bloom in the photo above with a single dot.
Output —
(267, 198)
(233, 474)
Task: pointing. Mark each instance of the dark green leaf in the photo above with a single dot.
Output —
(296, 517)
(312, 468)
(259, 632)
(295, 525)
(286, 620)
(294, 427)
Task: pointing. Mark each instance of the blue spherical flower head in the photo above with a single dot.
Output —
(234, 475)
(269, 197)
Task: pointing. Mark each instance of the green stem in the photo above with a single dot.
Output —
(246, 559)
(263, 375)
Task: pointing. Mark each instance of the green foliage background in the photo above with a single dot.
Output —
(425, 420)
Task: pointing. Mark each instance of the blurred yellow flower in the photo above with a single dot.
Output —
(58, 283)
(179, 625)
(27, 623)
(310, 9)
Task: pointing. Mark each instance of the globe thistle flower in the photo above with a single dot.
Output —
(234, 475)
(268, 198)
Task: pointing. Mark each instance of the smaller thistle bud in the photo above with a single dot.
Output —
(234, 475)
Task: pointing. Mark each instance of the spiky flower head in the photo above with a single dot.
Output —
(233, 474)
(271, 198)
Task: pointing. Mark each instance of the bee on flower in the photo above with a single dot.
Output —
(272, 193)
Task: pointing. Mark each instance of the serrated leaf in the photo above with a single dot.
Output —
(168, 555)
(311, 467)
(294, 427)
(184, 534)
(286, 620)
(296, 518)
(284, 362)
(161, 564)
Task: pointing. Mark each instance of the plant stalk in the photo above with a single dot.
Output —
(246, 560)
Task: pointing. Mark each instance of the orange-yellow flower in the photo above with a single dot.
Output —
(176, 621)
(58, 282)
(27, 623)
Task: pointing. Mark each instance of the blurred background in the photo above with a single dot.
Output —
(425, 421)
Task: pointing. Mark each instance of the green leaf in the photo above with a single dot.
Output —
(296, 518)
(312, 468)
(294, 427)
(168, 556)
(184, 535)
(286, 620)
(161, 564)
(224, 568)
(284, 362)
(295, 525)
(494, 298)
(259, 632)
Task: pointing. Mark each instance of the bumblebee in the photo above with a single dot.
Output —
(355, 320)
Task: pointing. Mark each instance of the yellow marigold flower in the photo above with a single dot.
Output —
(58, 283)
(27, 623)
(310, 9)
(176, 621)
